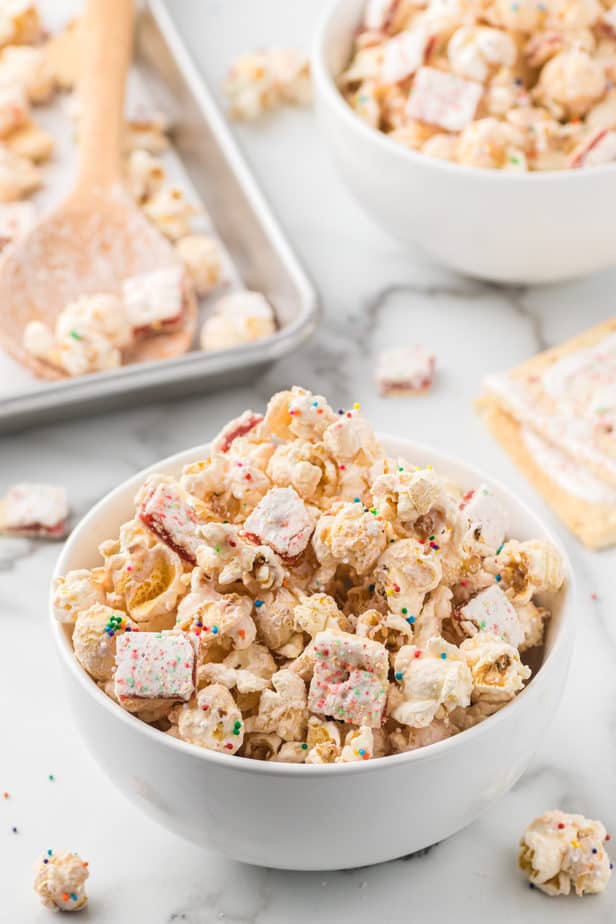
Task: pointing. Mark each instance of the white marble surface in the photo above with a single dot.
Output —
(374, 295)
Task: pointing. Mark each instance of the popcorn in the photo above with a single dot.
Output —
(405, 371)
(404, 574)
(527, 568)
(146, 131)
(211, 720)
(444, 100)
(559, 851)
(239, 318)
(201, 258)
(358, 745)
(154, 666)
(348, 535)
(171, 212)
(165, 509)
(145, 576)
(284, 710)
(432, 682)
(76, 591)
(13, 109)
(282, 521)
(94, 638)
(34, 510)
(491, 610)
(570, 83)
(249, 669)
(404, 54)
(26, 67)
(498, 673)
(153, 301)
(146, 175)
(476, 51)
(59, 880)
(228, 558)
(350, 678)
(216, 616)
(18, 176)
(219, 618)
(265, 80)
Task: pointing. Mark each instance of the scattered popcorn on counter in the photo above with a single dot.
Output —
(250, 607)
(36, 510)
(267, 80)
(60, 880)
(509, 86)
(239, 318)
(560, 852)
(405, 371)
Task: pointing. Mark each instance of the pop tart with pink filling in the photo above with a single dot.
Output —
(154, 665)
(34, 510)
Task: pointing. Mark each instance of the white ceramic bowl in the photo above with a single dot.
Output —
(293, 816)
(500, 226)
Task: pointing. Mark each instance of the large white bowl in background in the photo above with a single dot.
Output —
(501, 226)
(293, 816)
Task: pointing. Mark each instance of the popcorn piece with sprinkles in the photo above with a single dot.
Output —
(211, 720)
(358, 745)
(154, 665)
(431, 683)
(34, 510)
(405, 371)
(60, 880)
(282, 521)
(349, 681)
(442, 99)
(560, 852)
(487, 518)
(283, 709)
(491, 610)
(95, 635)
(167, 510)
(498, 673)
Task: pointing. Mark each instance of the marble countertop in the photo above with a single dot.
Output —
(374, 295)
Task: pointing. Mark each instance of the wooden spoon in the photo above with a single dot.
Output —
(98, 236)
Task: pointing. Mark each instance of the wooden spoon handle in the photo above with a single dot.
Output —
(106, 54)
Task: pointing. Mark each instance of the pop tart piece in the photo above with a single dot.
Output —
(164, 508)
(599, 148)
(154, 665)
(405, 371)
(441, 99)
(404, 54)
(350, 678)
(282, 521)
(34, 510)
(487, 518)
(491, 611)
(237, 427)
(154, 300)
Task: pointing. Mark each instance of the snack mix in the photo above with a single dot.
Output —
(300, 596)
(266, 80)
(60, 879)
(490, 83)
(560, 852)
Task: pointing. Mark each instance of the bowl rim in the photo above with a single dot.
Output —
(326, 84)
(562, 645)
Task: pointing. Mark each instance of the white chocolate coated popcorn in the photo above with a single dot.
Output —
(276, 615)
(560, 852)
(60, 881)
(432, 682)
(200, 255)
(266, 80)
(240, 318)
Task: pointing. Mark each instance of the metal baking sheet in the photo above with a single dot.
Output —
(259, 256)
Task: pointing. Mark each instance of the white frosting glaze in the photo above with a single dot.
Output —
(573, 478)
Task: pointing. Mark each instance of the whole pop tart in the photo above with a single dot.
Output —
(154, 300)
(154, 665)
(34, 510)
